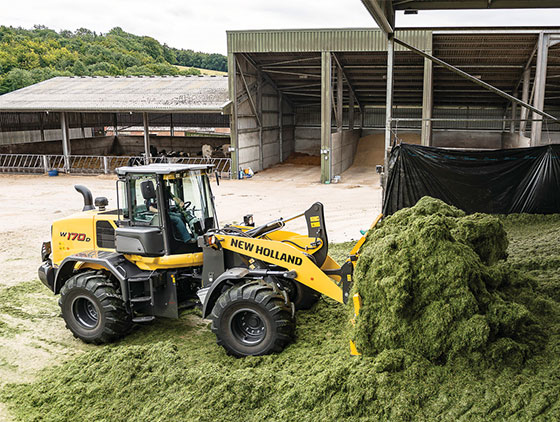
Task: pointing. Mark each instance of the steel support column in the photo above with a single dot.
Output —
(513, 114)
(427, 103)
(116, 124)
(42, 127)
(66, 149)
(326, 116)
(171, 127)
(540, 87)
(281, 126)
(525, 99)
(389, 102)
(339, 99)
(259, 118)
(148, 156)
(351, 111)
(232, 87)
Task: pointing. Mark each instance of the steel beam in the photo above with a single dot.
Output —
(250, 97)
(326, 117)
(383, 14)
(540, 86)
(427, 102)
(350, 87)
(66, 148)
(148, 156)
(475, 80)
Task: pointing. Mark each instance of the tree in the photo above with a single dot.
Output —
(31, 55)
(79, 69)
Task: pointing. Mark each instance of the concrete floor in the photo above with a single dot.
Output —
(30, 203)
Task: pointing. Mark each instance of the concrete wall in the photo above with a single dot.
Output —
(259, 145)
(308, 140)
(344, 145)
(467, 139)
(102, 145)
(514, 140)
(21, 137)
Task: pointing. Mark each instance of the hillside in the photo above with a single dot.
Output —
(28, 56)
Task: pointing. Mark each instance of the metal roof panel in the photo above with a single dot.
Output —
(121, 94)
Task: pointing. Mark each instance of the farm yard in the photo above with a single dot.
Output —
(173, 368)
(336, 224)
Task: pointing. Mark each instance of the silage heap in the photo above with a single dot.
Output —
(434, 284)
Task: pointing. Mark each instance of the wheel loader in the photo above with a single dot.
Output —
(162, 250)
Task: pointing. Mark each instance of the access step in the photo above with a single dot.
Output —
(141, 299)
(138, 279)
(143, 319)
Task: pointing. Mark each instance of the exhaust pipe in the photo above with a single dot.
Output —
(88, 198)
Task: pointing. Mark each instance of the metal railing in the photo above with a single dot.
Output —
(95, 164)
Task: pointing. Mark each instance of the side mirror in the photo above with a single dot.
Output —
(101, 202)
(148, 190)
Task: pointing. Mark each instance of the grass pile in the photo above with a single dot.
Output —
(434, 283)
(172, 370)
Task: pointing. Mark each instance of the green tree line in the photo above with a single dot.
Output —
(28, 56)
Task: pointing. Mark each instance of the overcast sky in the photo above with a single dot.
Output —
(201, 24)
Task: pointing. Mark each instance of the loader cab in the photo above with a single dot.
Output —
(163, 208)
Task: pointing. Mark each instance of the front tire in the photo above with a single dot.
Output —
(92, 309)
(253, 319)
(300, 295)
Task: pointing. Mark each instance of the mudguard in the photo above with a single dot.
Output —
(113, 262)
(209, 295)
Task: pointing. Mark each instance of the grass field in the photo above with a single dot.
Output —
(173, 370)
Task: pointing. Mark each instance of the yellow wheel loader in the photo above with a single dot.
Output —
(161, 250)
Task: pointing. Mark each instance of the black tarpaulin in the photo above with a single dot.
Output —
(522, 180)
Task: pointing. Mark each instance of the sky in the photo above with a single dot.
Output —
(201, 25)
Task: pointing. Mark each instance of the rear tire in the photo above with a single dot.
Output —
(92, 309)
(253, 319)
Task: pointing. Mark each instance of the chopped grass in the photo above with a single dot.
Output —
(173, 370)
(28, 301)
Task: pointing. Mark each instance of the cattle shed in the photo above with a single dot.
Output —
(115, 116)
(324, 92)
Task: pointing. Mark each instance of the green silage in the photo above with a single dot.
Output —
(434, 283)
(173, 370)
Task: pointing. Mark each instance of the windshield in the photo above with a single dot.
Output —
(191, 191)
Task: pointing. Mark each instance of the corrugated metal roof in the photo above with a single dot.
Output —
(316, 40)
(114, 94)
(497, 55)
(472, 4)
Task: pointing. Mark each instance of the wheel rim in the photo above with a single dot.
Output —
(248, 327)
(85, 312)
